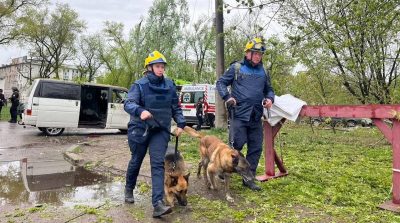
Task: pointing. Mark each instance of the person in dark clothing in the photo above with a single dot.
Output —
(3, 101)
(152, 101)
(103, 105)
(20, 110)
(251, 91)
(199, 113)
(208, 117)
(14, 105)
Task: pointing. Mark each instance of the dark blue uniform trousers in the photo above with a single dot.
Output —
(251, 133)
(157, 143)
(13, 112)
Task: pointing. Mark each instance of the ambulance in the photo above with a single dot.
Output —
(189, 96)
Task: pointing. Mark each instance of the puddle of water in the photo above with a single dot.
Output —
(55, 182)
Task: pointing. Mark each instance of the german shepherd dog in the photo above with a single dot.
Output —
(217, 158)
(176, 181)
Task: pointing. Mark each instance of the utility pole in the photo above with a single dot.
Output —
(220, 112)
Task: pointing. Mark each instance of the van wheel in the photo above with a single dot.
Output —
(53, 131)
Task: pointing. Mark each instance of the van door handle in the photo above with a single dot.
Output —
(35, 104)
(76, 103)
(112, 106)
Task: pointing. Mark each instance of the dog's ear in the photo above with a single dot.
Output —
(235, 159)
(187, 177)
(174, 180)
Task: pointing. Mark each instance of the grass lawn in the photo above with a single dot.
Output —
(5, 114)
(333, 177)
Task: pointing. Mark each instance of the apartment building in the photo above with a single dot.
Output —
(21, 70)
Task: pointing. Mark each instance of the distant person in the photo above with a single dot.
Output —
(199, 113)
(14, 105)
(20, 109)
(103, 105)
(3, 101)
(208, 116)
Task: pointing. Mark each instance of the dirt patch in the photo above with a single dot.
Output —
(110, 156)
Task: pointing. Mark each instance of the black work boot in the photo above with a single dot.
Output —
(129, 196)
(252, 185)
(161, 209)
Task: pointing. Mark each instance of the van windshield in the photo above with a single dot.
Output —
(191, 97)
(119, 96)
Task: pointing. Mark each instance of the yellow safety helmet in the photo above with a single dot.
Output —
(154, 57)
(257, 44)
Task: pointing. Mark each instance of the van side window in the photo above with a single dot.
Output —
(118, 96)
(60, 91)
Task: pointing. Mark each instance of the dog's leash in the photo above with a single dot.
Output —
(169, 132)
(231, 132)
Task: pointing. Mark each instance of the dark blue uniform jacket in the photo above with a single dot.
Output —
(249, 88)
(156, 95)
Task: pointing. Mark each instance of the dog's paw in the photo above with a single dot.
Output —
(230, 199)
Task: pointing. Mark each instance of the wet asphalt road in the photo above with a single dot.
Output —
(33, 169)
(33, 173)
(18, 142)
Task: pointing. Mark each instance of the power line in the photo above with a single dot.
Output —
(273, 16)
(253, 7)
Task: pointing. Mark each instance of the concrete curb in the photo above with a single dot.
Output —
(72, 157)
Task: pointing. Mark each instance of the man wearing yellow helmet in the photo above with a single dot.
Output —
(152, 101)
(251, 91)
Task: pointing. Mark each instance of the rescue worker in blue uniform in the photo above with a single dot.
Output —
(152, 101)
(251, 91)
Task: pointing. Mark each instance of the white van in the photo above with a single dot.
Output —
(54, 105)
(189, 96)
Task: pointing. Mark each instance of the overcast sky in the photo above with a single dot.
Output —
(129, 12)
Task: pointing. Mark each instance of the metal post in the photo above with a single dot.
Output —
(375, 112)
(396, 161)
(394, 204)
(270, 155)
(269, 150)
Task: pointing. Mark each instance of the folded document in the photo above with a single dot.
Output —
(285, 106)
